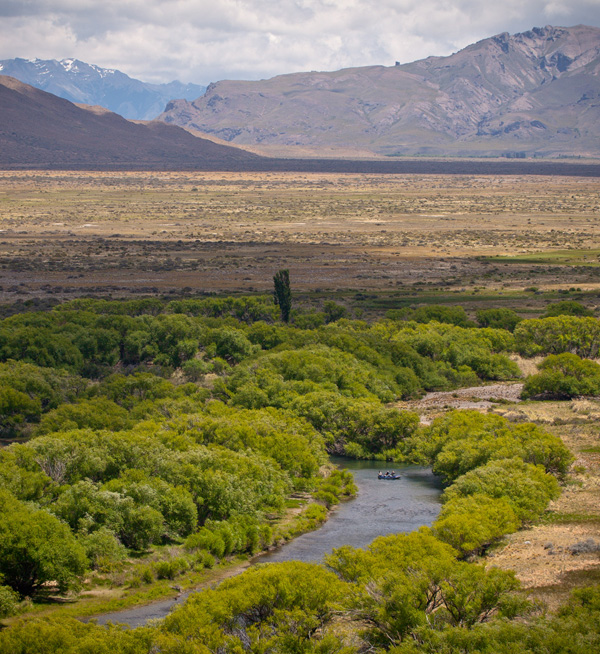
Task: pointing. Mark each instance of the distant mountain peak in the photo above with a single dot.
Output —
(39, 129)
(80, 82)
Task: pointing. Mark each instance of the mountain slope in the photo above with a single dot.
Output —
(77, 81)
(535, 93)
(39, 129)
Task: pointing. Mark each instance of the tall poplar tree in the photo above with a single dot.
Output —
(282, 294)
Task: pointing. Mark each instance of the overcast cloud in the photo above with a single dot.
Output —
(208, 40)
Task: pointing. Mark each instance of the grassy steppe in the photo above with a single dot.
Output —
(373, 241)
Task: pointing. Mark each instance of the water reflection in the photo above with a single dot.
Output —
(381, 507)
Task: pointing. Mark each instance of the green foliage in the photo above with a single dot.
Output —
(443, 314)
(85, 507)
(567, 308)
(446, 356)
(175, 504)
(333, 311)
(280, 435)
(471, 523)
(282, 293)
(96, 413)
(559, 334)
(37, 549)
(463, 440)
(9, 602)
(16, 409)
(574, 630)
(195, 369)
(310, 518)
(231, 344)
(171, 568)
(527, 488)
(361, 428)
(563, 376)
(247, 309)
(339, 483)
(103, 549)
(411, 582)
(498, 318)
(279, 607)
(54, 635)
(27, 391)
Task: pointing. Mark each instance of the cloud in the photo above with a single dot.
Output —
(203, 41)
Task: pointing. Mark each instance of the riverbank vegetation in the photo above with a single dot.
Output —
(153, 439)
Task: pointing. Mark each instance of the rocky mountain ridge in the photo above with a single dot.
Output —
(531, 94)
(80, 82)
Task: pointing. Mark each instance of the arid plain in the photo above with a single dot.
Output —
(374, 241)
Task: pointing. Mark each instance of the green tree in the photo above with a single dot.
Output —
(500, 318)
(563, 376)
(527, 488)
(471, 523)
(333, 311)
(279, 607)
(37, 549)
(283, 293)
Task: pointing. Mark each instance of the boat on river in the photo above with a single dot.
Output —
(388, 476)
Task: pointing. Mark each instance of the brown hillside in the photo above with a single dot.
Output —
(38, 129)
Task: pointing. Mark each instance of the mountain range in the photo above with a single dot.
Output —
(84, 83)
(39, 130)
(531, 94)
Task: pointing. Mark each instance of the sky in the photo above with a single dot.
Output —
(205, 41)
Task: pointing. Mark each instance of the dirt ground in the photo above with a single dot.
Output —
(480, 398)
(540, 555)
(65, 234)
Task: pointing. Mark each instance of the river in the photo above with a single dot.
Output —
(380, 508)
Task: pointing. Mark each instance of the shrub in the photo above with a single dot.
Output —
(498, 318)
(9, 602)
(440, 313)
(567, 308)
(559, 334)
(170, 568)
(36, 549)
(328, 498)
(563, 376)
(471, 523)
(527, 488)
(103, 549)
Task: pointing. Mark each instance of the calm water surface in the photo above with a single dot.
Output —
(380, 508)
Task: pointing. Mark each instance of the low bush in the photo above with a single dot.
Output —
(564, 376)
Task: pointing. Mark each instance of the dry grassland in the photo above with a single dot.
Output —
(65, 234)
(541, 556)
